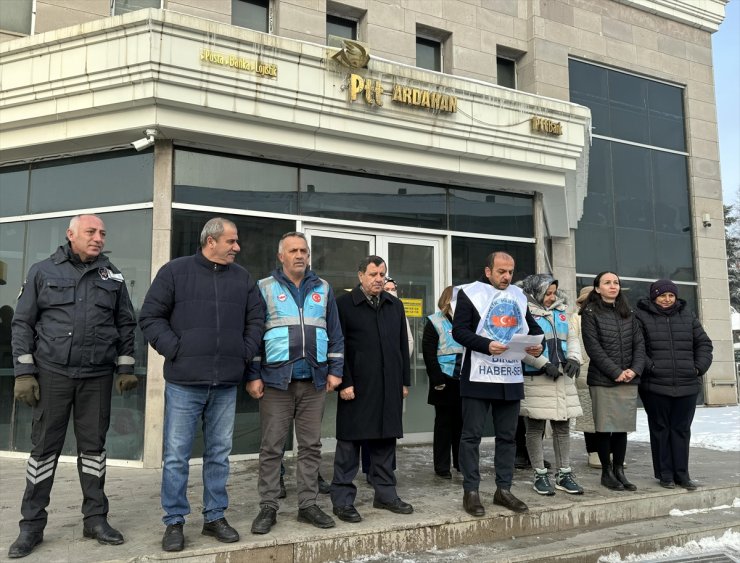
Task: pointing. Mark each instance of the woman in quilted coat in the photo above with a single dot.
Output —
(614, 343)
(549, 391)
(679, 352)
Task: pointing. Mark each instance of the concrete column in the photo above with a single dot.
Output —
(161, 244)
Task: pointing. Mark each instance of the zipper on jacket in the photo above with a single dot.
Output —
(303, 332)
(673, 349)
(218, 327)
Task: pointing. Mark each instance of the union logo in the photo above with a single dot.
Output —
(282, 297)
(316, 298)
(562, 317)
(502, 320)
(103, 272)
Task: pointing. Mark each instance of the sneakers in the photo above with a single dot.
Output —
(564, 482)
(542, 483)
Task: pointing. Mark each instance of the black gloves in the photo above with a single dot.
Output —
(571, 368)
(551, 370)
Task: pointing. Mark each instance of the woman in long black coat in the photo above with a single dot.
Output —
(679, 352)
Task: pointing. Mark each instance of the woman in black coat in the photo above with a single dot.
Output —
(613, 340)
(679, 352)
(442, 358)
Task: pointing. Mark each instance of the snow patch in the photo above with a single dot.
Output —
(729, 541)
(677, 512)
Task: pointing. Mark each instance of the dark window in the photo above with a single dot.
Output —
(428, 54)
(372, 200)
(505, 72)
(253, 14)
(636, 215)
(13, 191)
(92, 181)
(341, 27)
(469, 258)
(629, 107)
(258, 238)
(125, 6)
(492, 213)
(15, 16)
(222, 181)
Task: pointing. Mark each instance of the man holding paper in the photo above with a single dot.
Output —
(489, 314)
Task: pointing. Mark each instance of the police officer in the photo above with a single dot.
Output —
(72, 329)
(302, 359)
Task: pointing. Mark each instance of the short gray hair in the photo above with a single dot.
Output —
(214, 228)
(292, 234)
(76, 219)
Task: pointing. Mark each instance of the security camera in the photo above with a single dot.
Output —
(706, 220)
(147, 141)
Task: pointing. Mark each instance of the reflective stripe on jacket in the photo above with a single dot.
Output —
(449, 352)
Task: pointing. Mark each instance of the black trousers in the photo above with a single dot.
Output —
(504, 414)
(89, 402)
(380, 475)
(669, 423)
(447, 431)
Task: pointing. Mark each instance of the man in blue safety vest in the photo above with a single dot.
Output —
(301, 360)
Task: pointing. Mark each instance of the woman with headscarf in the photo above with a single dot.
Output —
(443, 358)
(678, 352)
(547, 395)
(613, 340)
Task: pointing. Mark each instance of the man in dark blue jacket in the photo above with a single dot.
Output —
(204, 314)
(72, 329)
(301, 360)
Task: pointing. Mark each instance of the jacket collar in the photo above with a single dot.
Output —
(310, 279)
(358, 296)
(206, 263)
(64, 254)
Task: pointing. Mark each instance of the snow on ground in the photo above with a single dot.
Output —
(728, 542)
(677, 512)
(715, 428)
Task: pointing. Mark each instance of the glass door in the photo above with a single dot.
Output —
(415, 263)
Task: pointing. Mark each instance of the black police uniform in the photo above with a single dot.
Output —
(72, 329)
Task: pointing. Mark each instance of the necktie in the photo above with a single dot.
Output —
(375, 301)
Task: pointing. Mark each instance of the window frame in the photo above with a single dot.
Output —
(115, 2)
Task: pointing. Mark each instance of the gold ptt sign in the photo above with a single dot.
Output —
(544, 125)
(372, 91)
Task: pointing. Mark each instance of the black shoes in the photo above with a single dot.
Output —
(443, 474)
(24, 544)
(103, 532)
(667, 484)
(347, 514)
(173, 538)
(609, 480)
(397, 506)
(504, 498)
(316, 517)
(472, 504)
(220, 530)
(324, 486)
(619, 474)
(283, 493)
(689, 485)
(264, 521)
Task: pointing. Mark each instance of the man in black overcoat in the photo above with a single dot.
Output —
(376, 380)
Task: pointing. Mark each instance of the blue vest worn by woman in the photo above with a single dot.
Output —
(449, 352)
(291, 332)
(555, 327)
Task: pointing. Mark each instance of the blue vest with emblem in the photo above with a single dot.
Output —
(556, 334)
(292, 333)
(449, 352)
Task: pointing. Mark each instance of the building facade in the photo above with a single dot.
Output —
(578, 135)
